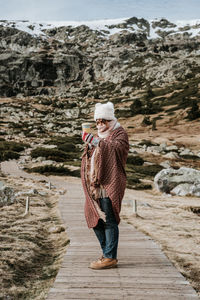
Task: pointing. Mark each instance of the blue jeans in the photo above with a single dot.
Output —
(107, 232)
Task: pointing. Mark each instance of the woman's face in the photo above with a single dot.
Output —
(102, 124)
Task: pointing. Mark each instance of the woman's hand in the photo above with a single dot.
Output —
(89, 138)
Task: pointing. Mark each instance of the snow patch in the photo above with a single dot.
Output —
(36, 28)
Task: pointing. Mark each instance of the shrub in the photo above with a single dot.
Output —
(147, 143)
(146, 121)
(67, 147)
(193, 157)
(145, 107)
(13, 146)
(194, 112)
(50, 169)
(147, 171)
(143, 186)
(9, 155)
(9, 150)
(136, 107)
(135, 160)
(53, 154)
(132, 181)
(58, 140)
(151, 108)
(154, 124)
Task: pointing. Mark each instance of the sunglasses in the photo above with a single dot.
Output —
(102, 121)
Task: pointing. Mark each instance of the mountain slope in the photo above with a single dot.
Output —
(92, 59)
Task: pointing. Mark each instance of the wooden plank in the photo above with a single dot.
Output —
(127, 280)
(96, 293)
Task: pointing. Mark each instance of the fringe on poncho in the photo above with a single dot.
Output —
(110, 173)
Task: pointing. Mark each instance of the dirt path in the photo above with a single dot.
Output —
(144, 272)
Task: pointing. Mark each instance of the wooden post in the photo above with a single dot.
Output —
(49, 185)
(135, 206)
(27, 206)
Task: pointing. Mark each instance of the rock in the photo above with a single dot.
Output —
(65, 130)
(165, 164)
(62, 192)
(72, 113)
(29, 192)
(184, 181)
(163, 23)
(1, 184)
(172, 155)
(50, 185)
(126, 37)
(39, 159)
(195, 190)
(43, 193)
(186, 152)
(148, 163)
(7, 196)
(32, 191)
(49, 146)
(154, 149)
(171, 148)
(185, 189)
(49, 126)
(48, 162)
(163, 146)
(56, 229)
(31, 113)
(133, 151)
(182, 189)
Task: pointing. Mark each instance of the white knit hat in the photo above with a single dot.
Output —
(104, 111)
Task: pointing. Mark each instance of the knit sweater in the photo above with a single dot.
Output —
(111, 160)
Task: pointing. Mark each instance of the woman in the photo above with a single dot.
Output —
(104, 181)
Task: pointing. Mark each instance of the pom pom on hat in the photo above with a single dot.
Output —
(104, 111)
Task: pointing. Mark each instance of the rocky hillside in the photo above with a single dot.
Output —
(96, 60)
(51, 75)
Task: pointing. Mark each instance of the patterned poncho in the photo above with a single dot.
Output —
(110, 163)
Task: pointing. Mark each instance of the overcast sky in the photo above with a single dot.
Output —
(81, 10)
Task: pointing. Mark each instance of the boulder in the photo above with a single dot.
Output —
(184, 181)
(7, 196)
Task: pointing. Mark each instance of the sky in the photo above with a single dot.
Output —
(83, 10)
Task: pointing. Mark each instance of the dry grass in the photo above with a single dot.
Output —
(31, 247)
(169, 221)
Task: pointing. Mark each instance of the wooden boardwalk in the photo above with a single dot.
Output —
(143, 272)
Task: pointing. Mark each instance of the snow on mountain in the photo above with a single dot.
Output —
(192, 27)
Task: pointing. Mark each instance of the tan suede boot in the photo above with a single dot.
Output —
(104, 263)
